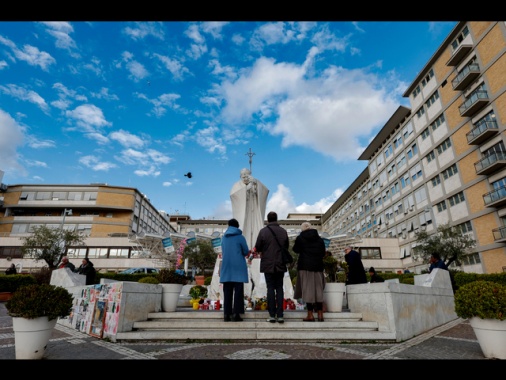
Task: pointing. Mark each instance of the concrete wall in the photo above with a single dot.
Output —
(406, 310)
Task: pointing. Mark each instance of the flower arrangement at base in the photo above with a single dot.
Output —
(261, 303)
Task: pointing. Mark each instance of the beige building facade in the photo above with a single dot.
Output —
(443, 160)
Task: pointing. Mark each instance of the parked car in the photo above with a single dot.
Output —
(140, 270)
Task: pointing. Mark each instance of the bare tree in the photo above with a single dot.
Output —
(448, 241)
(49, 244)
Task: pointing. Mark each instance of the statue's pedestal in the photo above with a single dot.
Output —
(258, 290)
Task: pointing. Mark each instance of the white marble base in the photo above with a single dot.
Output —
(259, 290)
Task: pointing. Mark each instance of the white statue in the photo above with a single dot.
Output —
(249, 199)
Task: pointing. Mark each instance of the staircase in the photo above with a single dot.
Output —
(196, 325)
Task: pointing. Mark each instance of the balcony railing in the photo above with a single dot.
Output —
(499, 234)
(482, 131)
(474, 103)
(495, 198)
(491, 163)
(466, 77)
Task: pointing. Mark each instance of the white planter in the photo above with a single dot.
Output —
(333, 295)
(31, 336)
(170, 296)
(491, 334)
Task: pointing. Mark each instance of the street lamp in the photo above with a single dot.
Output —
(65, 213)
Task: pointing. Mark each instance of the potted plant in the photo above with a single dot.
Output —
(172, 282)
(335, 287)
(197, 293)
(484, 304)
(35, 310)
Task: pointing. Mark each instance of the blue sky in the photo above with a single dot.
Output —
(140, 104)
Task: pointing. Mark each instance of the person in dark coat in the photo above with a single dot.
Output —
(356, 271)
(310, 279)
(11, 270)
(88, 269)
(271, 264)
(234, 271)
(374, 276)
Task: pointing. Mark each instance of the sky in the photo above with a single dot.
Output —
(141, 104)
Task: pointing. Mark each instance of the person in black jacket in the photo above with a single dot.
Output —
(374, 276)
(271, 264)
(356, 271)
(11, 270)
(88, 269)
(310, 279)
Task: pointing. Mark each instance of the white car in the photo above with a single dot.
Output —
(140, 270)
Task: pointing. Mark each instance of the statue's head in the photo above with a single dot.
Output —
(245, 175)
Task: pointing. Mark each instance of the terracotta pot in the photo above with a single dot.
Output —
(5, 296)
(199, 280)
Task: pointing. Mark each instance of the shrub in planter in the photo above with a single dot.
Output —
(170, 276)
(483, 299)
(44, 300)
(149, 280)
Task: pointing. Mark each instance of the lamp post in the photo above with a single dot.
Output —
(65, 213)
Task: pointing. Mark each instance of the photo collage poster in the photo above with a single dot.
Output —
(96, 310)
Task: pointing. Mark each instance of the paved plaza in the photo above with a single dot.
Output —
(452, 341)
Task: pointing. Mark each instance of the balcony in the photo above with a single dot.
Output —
(466, 77)
(459, 54)
(482, 131)
(491, 163)
(499, 234)
(474, 103)
(496, 198)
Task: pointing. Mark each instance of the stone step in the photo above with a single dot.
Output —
(187, 324)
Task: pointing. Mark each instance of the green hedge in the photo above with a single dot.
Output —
(10, 283)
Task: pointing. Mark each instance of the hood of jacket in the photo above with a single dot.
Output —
(232, 231)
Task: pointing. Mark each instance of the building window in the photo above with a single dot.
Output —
(412, 151)
(427, 78)
(416, 91)
(440, 120)
(441, 206)
(370, 252)
(456, 199)
(431, 156)
(457, 41)
(432, 99)
(425, 133)
(388, 151)
(452, 170)
(444, 145)
(420, 112)
(436, 181)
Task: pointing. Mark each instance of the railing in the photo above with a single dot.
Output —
(481, 128)
(499, 233)
(495, 196)
(474, 67)
(475, 96)
(489, 160)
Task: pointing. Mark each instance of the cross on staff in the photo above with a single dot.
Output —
(250, 154)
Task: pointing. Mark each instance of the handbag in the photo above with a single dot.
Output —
(286, 257)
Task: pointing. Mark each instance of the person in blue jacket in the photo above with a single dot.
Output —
(234, 271)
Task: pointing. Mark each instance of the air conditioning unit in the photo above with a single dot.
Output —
(405, 211)
(411, 208)
(386, 223)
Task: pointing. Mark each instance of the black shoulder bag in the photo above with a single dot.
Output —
(285, 254)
